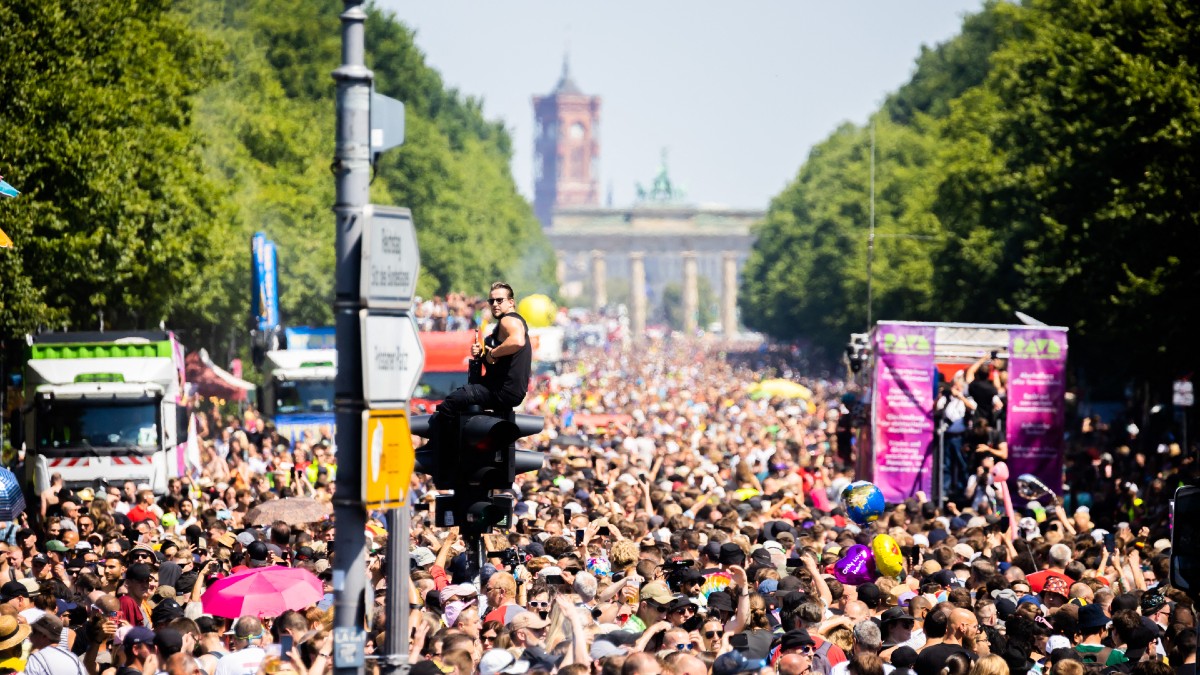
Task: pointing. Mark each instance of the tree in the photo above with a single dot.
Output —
(115, 207)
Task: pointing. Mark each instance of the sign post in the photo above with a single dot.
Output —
(1183, 396)
(392, 361)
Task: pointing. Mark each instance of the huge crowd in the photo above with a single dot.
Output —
(680, 524)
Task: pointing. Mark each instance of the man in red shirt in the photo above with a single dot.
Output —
(1060, 555)
(144, 509)
(139, 580)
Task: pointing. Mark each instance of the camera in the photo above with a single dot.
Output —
(510, 558)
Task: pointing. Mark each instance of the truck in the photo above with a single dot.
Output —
(447, 354)
(297, 391)
(104, 408)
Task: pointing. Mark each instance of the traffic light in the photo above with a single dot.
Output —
(428, 458)
(1185, 541)
(480, 457)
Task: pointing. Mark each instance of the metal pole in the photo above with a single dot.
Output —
(871, 235)
(395, 648)
(351, 167)
(939, 470)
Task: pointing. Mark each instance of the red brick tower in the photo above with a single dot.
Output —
(566, 149)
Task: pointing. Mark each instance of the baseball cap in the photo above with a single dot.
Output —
(497, 661)
(138, 572)
(138, 635)
(56, 546)
(656, 591)
(422, 556)
(245, 538)
(795, 638)
(13, 589)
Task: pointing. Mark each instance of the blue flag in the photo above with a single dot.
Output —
(8, 190)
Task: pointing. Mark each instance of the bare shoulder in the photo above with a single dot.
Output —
(511, 324)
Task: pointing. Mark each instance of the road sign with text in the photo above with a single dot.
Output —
(390, 258)
(392, 358)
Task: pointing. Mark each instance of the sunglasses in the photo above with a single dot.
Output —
(489, 637)
(539, 604)
(683, 646)
(711, 634)
(496, 301)
(806, 650)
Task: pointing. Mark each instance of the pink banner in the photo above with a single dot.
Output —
(1036, 388)
(903, 409)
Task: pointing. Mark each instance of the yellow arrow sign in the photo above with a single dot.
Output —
(388, 458)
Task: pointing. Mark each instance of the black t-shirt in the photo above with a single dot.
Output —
(508, 377)
(984, 393)
(931, 660)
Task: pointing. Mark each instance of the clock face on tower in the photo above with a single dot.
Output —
(576, 131)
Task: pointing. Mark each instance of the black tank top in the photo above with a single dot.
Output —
(508, 377)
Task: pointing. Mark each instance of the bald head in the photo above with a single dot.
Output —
(857, 611)
(795, 664)
(962, 624)
(686, 664)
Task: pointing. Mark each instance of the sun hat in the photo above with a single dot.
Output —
(12, 632)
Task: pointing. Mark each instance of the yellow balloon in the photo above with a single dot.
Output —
(888, 559)
(539, 311)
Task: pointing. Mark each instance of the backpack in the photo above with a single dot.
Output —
(820, 659)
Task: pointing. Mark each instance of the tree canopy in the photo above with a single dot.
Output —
(151, 149)
(1042, 160)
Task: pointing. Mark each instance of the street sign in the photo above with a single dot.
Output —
(392, 358)
(387, 458)
(1183, 396)
(390, 258)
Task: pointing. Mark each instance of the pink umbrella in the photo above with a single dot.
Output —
(262, 592)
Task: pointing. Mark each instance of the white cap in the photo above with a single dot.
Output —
(496, 661)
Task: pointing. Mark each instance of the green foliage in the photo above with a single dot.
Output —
(149, 151)
(1043, 160)
(115, 205)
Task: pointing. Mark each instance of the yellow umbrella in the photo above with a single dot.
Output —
(781, 388)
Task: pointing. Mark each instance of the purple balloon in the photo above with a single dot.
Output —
(857, 566)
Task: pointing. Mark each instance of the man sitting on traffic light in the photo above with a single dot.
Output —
(507, 359)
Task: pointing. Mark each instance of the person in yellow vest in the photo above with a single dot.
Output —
(323, 464)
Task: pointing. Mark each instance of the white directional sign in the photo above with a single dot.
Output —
(392, 358)
(390, 259)
(1183, 395)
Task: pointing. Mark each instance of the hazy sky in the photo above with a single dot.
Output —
(738, 92)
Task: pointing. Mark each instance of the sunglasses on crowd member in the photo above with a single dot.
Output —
(540, 604)
(491, 637)
(713, 634)
(496, 301)
(683, 646)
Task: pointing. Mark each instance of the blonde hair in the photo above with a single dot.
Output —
(991, 664)
(1067, 667)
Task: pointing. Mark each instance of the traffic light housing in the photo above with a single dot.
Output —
(1185, 541)
(480, 455)
(428, 459)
